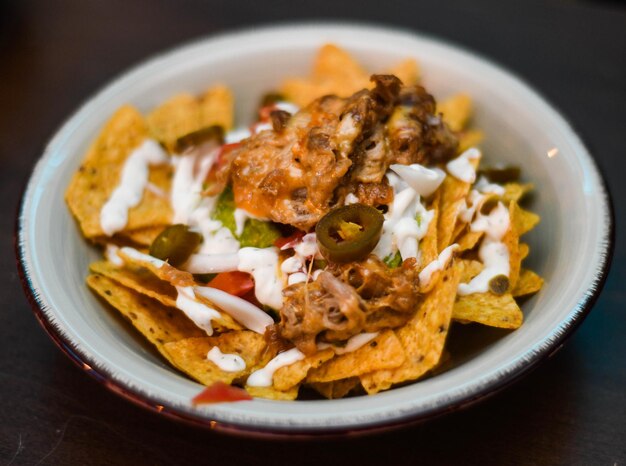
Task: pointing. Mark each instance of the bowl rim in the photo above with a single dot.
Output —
(469, 396)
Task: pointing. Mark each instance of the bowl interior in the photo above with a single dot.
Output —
(520, 128)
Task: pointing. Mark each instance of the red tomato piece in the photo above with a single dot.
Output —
(289, 241)
(235, 283)
(219, 392)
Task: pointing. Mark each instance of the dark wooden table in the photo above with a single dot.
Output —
(54, 54)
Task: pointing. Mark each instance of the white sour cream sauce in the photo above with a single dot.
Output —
(462, 168)
(401, 229)
(199, 313)
(226, 361)
(193, 209)
(493, 253)
(438, 264)
(295, 268)
(353, 343)
(133, 182)
(263, 377)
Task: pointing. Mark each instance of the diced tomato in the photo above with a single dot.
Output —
(235, 283)
(219, 392)
(289, 241)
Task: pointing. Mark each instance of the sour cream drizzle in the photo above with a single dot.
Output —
(493, 253)
(262, 264)
(353, 343)
(111, 255)
(402, 230)
(244, 312)
(462, 168)
(438, 264)
(263, 377)
(424, 181)
(226, 361)
(194, 209)
(199, 313)
(295, 267)
(129, 192)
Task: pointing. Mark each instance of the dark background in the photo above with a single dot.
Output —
(55, 54)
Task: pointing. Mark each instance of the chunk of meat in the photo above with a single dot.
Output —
(416, 134)
(290, 176)
(346, 300)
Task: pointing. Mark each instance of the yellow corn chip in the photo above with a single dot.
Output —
(100, 172)
(523, 250)
(524, 220)
(143, 236)
(529, 282)
(335, 64)
(516, 191)
(453, 194)
(469, 138)
(468, 269)
(190, 355)
(456, 111)
(489, 309)
(288, 376)
(271, 393)
(165, 271)
(511, 240)
(469, 240)
(158, 323)
(174, 118)
(383, 352)
(217, 108)
(337, 388)
(423, 337)
(428, 244)
(407, 71)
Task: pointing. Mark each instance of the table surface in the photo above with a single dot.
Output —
(571, 410)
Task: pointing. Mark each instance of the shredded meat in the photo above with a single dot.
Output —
(416, 134)
(346, 300)
(296, 173)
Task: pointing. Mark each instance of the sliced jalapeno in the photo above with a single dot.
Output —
(349, 233)
(175, 244)
(499, 284)
(199, 137)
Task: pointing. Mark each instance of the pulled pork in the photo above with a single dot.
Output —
(334, 147)
(348, 299)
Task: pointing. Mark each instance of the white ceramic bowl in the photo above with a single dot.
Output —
(570, 248)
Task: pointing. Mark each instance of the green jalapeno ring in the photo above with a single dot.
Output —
(175, 244)
(365, 227)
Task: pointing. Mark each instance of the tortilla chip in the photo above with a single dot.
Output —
(158, 323)
(165, 272)
(428, 244)
(174, 118)
(100, 172)
(468, 269)
(469, 138)
(337, 388)
(271, 393)
(288, 376)
(383, 352)
(489, 309)
(524, 250)
(336, 64)
(453, 194)
(511, 240)
(529, 282)
(456, 111)
(143, 236)
(423, 337)
(407, 71)
(516, 191)
(469, 240)
(217, 108)
(190, 355)
(524, 220)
